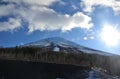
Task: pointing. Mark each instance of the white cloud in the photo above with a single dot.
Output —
(40, 17)
(92, 37)
(74, 7)
(11, 24)
(85, 38)
(78, 20)
(34, 2)
(89, 5)
(6, 9)
(88, 38)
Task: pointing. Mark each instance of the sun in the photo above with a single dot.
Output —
(110, 35)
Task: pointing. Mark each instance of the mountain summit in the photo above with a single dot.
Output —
(54, 41)
(60, 44)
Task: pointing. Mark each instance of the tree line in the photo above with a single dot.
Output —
(110, 63)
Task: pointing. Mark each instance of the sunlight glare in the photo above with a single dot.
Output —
(110, 35)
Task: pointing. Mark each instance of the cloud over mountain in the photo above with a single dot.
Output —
(39, 16)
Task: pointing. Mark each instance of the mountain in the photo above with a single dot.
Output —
(56, 41)
(60, 44)
(57, 50)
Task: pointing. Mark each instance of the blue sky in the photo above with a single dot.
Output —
(81, 21)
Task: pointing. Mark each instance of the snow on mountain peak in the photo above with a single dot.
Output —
(55, 41)
(56, 49)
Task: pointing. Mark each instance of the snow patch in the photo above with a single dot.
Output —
(91, 51)
(56, 49)
(91, 75)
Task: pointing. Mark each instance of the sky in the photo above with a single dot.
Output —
(91, 23)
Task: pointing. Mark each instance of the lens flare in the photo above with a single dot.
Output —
(110, 35)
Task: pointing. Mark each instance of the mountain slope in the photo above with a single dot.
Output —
(56, 41)
(60, 44)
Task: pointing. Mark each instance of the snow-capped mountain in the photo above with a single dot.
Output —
(60, 44)
(55, 41)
